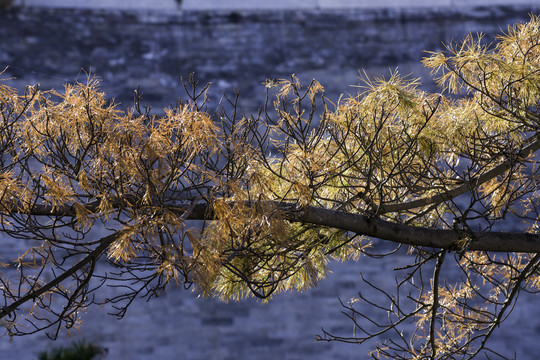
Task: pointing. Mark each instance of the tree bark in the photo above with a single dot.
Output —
(404, 234)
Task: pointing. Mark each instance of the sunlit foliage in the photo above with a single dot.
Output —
(234, 205)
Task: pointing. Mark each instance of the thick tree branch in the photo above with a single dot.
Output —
(465, 186)
(404, 234)
(364, 225)
(419, 236)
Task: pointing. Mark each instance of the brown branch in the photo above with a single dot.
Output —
(412, 235)
(404, 234)
(511, 298)
(360, 224)
(435, 305)
(91, 257)
(465, 186)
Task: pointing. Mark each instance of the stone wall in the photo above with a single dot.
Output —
(230, 49)
(176, 5)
